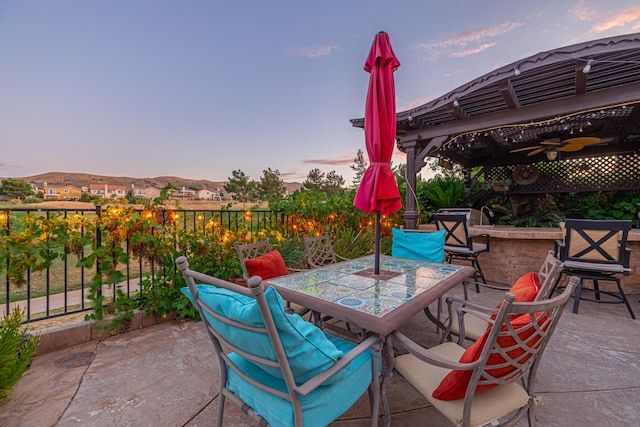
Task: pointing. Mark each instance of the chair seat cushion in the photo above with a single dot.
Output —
(594, 267)
(320, 407)
(267, 266)
(427, 246)
(454, 385)
(474, 327)
(308, 349)
(486, 406)
(463, 250)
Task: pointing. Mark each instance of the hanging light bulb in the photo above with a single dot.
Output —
(587, 67)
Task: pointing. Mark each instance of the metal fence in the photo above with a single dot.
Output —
(61, 288)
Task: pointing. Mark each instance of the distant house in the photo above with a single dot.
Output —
(208, 194)
(184, 194)
(62, 192)
(148, 193)
(108, 191)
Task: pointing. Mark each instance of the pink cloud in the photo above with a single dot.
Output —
(622, 18)
(581, 13)
(470, 41)
(336, 161)
(473, 51)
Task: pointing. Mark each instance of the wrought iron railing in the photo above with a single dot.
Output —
(60, 288)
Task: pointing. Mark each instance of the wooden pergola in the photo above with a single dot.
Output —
(559, 121)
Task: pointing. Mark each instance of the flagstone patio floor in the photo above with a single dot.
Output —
(166, 375)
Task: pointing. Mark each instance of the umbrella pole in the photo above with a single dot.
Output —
(377, 260)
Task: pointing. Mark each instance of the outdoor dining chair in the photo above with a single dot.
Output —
(529, 287)
(496, 376)
(259, 259)
(596, 250)
(459, 243)
(278, 368)
(320, 251)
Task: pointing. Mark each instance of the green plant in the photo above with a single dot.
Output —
(17, 349)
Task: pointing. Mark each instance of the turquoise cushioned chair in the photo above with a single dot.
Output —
(276, 367)
(416, 244)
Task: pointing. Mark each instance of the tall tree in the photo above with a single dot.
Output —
(240, 188)
(359, 166)
(314, 181)
(333, 183)
(271, 187)
(15, 188)
(400, 172)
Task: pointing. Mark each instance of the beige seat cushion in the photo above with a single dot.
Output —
(474, 327)
(487, 405)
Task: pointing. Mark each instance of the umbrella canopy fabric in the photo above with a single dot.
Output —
(378, 190)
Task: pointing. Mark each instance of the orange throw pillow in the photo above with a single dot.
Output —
(525, 289)
(454, 385)
(267, 266)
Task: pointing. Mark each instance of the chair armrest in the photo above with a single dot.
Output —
(427, 356)
(318, 380)
(341, 258)
(487, 239)
(626, 261)
(296, 270)
(466, 307)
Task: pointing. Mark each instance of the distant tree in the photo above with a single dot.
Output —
(86, 197)
(333, 183)
(400, 172)
(164, 193)
(240, 188)
(271, 187)
(359, 166)
(15, 188)
(314, 181)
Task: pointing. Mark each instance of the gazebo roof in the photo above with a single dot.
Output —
(589, 89)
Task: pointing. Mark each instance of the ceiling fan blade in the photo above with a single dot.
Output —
(571, 147)
(551, 143)
(534, 152)
(525, 148)
(582, 140)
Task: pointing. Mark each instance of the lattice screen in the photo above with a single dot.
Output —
(606, 173)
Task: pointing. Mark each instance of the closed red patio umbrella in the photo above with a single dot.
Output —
(378, 192)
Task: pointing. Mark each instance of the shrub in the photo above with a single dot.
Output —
(16, 351)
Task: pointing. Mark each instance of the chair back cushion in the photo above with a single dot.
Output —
(427, 246)
(267, 266)
(454, 385)
(308, 350)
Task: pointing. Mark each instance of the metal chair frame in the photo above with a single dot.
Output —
(320, 251)
(459, 244)
(254, 250)
(457, 321)
(595, 250)
(223, 348)
(529, 343)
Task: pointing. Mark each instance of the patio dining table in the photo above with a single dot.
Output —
(379, 304)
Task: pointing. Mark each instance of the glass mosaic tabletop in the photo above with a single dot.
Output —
(350, 284)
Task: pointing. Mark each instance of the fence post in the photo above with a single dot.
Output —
(98, 242)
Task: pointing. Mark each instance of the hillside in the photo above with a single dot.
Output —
(85, 179)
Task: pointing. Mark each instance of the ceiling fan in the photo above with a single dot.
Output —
(571, 144)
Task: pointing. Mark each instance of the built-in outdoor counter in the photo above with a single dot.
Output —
(515, 251)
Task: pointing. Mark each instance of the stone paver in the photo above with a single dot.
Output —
(166, 375)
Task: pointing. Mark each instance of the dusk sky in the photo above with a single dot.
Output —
(197, 89)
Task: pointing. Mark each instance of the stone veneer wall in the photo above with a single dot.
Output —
(509, 259)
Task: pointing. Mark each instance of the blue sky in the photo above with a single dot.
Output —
(197, 89)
